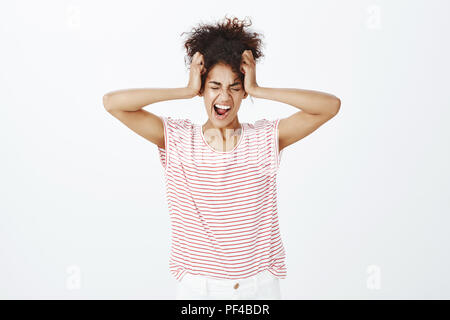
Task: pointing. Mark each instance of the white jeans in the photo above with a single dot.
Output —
(263, 285)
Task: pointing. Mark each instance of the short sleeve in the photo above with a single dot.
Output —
(271, 130)
(162, 152)
(172, 137)
(277, 143)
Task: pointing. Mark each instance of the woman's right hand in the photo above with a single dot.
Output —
(197, 68)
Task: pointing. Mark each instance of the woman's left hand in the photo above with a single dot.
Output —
(248, 68)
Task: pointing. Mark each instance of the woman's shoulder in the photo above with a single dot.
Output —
(262, 124)
(178, 123)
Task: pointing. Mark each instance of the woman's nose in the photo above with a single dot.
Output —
(224, 93)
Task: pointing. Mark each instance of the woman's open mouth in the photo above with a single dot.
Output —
(221, 112)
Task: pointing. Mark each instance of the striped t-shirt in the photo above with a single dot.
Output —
(223, 204)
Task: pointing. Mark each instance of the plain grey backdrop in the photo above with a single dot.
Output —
(363, 201)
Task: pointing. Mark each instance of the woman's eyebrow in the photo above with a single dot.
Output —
(231, 85)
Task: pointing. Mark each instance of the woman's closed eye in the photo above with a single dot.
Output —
(232, 89)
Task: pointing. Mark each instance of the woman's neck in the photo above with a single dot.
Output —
(229, 131)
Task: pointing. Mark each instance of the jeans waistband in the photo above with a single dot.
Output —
(203, 283)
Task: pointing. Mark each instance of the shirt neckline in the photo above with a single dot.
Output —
(223, 152)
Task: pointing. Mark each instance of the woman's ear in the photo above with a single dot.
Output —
(245, 95)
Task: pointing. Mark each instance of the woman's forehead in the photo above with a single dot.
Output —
(222, 71)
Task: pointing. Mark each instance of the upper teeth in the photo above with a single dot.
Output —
(222, 107)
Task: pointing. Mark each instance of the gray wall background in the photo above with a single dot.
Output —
(363, 201)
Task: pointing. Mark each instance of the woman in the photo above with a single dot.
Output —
(221, 176)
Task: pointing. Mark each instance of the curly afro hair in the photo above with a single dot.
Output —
(223, 42)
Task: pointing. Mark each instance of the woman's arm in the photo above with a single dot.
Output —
(310, 101)
(136, 99)
(316, 108)
(127, 107)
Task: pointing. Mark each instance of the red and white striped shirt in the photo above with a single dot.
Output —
(223, 205)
